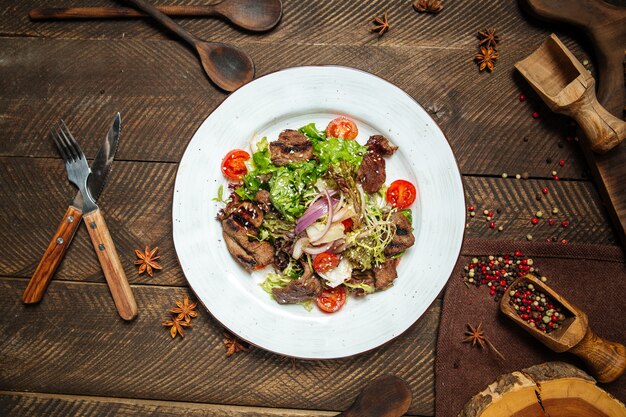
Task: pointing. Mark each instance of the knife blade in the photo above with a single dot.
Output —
(64, 234)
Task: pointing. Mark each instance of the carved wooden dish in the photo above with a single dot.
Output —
(606, 360)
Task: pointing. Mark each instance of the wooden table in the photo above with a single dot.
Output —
(72, 355)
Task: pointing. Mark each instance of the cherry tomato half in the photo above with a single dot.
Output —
(347, 225)
(401, 194)
(331, 300)
(325, 262)
(234, 166)
(342, 127)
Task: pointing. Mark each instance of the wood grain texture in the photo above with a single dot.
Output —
(53, 255)
(111, 265)
(138, 213)
(73, 342)
(26, 404)
(85, 82)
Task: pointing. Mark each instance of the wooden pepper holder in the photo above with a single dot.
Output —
(567, 87)
(606, 360)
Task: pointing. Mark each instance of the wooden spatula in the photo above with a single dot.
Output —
(385, 396)
(606, 360)
(568, 88)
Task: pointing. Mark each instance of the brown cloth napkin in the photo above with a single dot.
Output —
(592, 277)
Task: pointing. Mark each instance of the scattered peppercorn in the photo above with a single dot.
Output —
(534, 220)
(498, 272)
(522, 97)
(535, 115)
(564, 223)
(562, 162)
(544, 190)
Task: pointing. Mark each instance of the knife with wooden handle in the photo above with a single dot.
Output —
(59, 243)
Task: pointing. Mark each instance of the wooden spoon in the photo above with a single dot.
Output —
(385, 396)
(606, 360)
(228, 67)
(567, 87)
(253, 15)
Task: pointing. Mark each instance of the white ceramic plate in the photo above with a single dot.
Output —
(292, 98)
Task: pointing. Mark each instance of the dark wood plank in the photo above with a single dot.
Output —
(308, 21)
(74, 343)
(27, 404)
(88, 81)
(138, 213)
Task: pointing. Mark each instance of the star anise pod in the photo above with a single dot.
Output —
(428, 6)
(232, 345)
(475, 335)
(486, 58)
(185, 310)
(488, 37)
(176, 326)
(381, 24)
(147, 260)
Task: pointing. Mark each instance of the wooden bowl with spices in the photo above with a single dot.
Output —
(561, 326)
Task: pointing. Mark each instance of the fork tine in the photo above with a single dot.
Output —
(67, 144)
(59, 143)
(77, 152)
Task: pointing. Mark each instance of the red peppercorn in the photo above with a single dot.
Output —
(563, 241)
(492, 225)
(470, 208)
(535, 115)
(564, 223)
(503, 283)
(518, 253)
(544, 190)
(551, 221)
(562, 162)
(522, 97)
(534, 220)
(556, 178)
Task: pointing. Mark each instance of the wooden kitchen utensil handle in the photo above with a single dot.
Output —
(606, 360)
(53, 256)
(111, 265)
(117, 12)
(603, 130)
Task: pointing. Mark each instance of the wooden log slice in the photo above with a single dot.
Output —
(551, 389)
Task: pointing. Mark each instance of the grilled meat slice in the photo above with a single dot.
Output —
(249, 215)
(291, 146)
(302, 289)
(361, 277)
(381, 144)
(232, 205)
(373, 172)
(262, 198)
(385, 274)
(403, 238)
(239, 229)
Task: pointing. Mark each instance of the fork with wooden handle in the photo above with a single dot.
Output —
(78, 172)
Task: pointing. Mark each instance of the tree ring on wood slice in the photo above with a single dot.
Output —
(551, 389)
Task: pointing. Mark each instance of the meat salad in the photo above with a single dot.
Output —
(314, 205)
